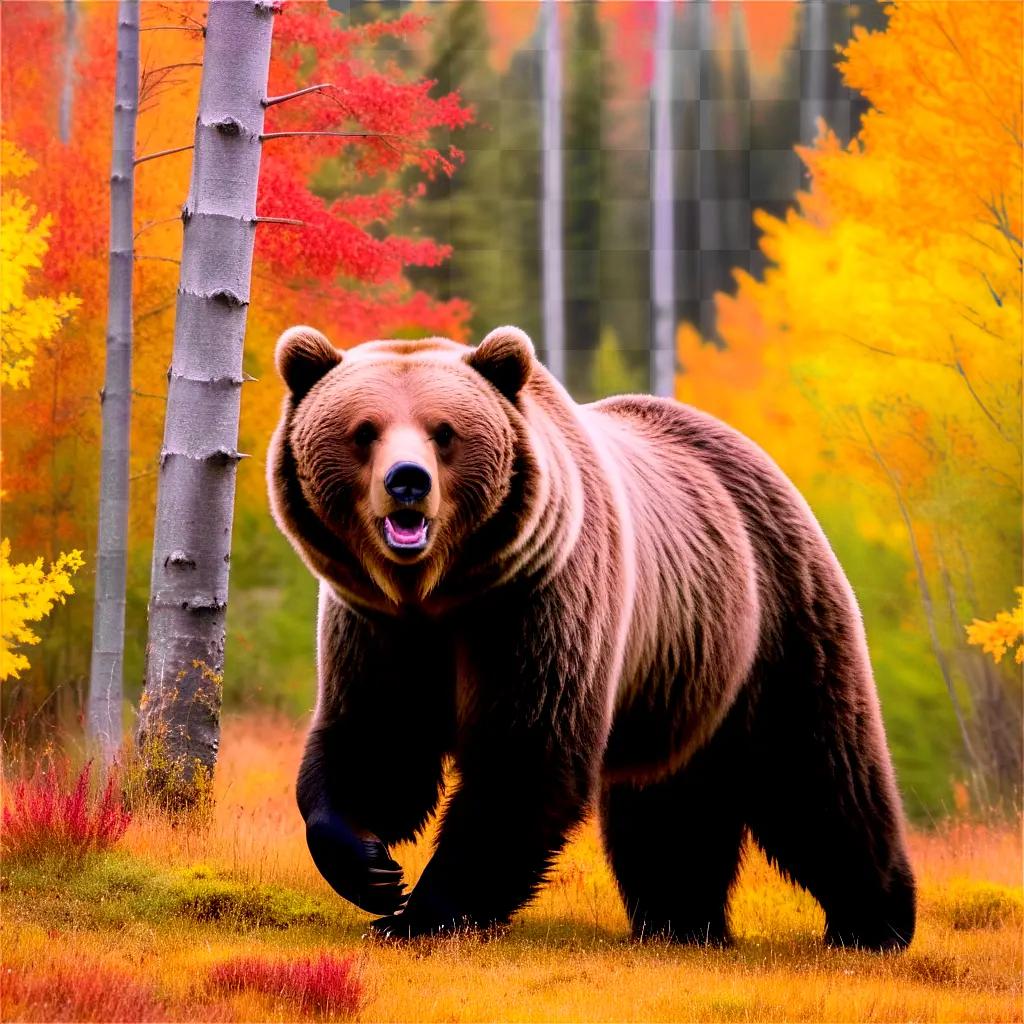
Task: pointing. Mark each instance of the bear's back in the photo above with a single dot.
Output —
(724, 543)
(668, 441)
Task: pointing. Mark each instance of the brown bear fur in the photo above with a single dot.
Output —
(623, 604)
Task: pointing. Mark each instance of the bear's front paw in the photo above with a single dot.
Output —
(356, 864)
(428, 912)
(412, 925)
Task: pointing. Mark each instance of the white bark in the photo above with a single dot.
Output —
(179, 719)
(663, 240)
(553, 286)
(106, 676)
(67, 92)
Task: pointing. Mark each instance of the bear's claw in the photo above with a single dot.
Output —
(403, 926)
(356, 866)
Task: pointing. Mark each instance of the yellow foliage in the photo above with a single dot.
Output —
(28, 593)
(25, 320)
(994, 636)
(879, 357)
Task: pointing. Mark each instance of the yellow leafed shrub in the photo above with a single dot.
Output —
(26, 320)
(28, 593)
(994, 636)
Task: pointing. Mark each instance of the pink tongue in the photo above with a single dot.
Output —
(406, 534)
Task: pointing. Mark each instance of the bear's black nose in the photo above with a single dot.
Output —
(407, 482)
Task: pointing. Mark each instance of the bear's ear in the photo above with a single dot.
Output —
(505, 357)
(303, 355)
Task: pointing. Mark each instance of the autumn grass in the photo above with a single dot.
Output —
(231, 922)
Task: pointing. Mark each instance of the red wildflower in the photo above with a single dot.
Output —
(49, 814)
(324, 984)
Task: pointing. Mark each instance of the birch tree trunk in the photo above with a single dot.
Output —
(663, 233)
(553, 285)
(179, 716)
(67, 92)
(106, 675)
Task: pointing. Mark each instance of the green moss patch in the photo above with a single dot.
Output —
(112, 890)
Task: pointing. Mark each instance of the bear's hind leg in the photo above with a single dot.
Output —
(675, 845)
(823, 801)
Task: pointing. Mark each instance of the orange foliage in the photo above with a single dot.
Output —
(772, 27)
(511, 23)
(340, 269)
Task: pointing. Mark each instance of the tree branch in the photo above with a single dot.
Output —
(959, 367)
(271, 101)
(342, 135)
(996, 297)
(183, 64)
(155, 223)
(163, 152)
(173, 28)
(926, 595)
(278, 220)
(162, 259)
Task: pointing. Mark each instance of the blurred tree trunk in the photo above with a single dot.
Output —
(67, 93)
(553, 287)
(814, 79)
(663, 235)
(106, 675)
(585, 95)
(724, 223)
(179, 715)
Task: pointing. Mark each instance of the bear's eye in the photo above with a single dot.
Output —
(444, 435)
(365, 434)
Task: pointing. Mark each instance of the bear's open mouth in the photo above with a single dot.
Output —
(406, 530)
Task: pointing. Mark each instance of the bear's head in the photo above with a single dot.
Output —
(392, 456)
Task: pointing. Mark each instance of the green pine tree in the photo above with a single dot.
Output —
(487, 210)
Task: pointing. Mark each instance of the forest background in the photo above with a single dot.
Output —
(856, 309)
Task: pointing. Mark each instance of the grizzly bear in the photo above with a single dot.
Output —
(622, 605)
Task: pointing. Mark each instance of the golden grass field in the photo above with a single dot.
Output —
(134, 934)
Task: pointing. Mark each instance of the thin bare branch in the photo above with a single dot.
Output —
(182, 64)
(154, 223)
(278, 220)
(341, 135)
(172, 28)
(959, 367)
(984, 328)
(163, 152)
(272, 101)
(996, 297)
(926, 594)
(156, 81)
(172, 10)
(1002, 219)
